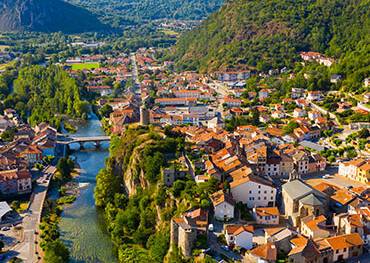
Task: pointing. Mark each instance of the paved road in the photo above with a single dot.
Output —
(322, 110)
(27, 248)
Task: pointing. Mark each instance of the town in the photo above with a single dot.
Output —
(292, 165)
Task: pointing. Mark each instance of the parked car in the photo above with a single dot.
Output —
(5, 228)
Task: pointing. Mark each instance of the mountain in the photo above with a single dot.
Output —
(269, 34)
(46, 16)
(136, 11)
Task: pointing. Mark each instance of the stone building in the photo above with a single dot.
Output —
(301, 200)
(186, 228)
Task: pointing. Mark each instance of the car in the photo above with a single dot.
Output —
(326, 176)
(5, 228)
(210, 228)
(226, 248)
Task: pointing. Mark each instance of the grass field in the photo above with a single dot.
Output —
(82, 66)
(170, 32)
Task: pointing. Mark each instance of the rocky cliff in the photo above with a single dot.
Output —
(46, 16)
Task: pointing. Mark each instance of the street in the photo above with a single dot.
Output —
(26, 249)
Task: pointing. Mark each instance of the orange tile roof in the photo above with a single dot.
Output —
(299, 241)
(266, 251)
(314, 223)
(267, 211)
(343, 196)
(220, 197)
(273, 230)
(345, 241)
(238, 229)
(250, 178)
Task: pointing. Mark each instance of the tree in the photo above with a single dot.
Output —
(363, 133)
(65, 167)
(56, 252)
(105, 111)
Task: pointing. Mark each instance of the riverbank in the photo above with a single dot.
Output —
(82, 225)
(49, 244)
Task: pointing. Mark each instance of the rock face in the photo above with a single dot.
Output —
(46, 16)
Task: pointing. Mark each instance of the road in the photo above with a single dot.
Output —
(27, 248)
(322, 110)
(135, 72)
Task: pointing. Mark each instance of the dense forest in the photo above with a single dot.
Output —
(126, 12)
(270, 34)
(45, 94)
(137, 205)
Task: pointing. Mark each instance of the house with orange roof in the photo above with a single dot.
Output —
(223, 205)
(239, 236)
(265, 253)
(281, 237)
(32, 154)
(254, 191)
(350, 169)
(347, 223)
(345, 246)
(231, 102)
(314, 227)
(306, 252)
(266, 215)
(363, 173)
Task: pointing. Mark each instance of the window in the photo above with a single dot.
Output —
(250, 191)
(259, 198)
(272, 191)
(259, 186)
(259, 192)
(272, 198)
(265, 192)
(345, 249)
(265, 198)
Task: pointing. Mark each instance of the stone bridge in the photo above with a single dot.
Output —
(68, 140)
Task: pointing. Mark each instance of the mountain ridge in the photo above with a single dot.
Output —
(46, 16)
(270, 34)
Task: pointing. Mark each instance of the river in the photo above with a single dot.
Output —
(82, 225)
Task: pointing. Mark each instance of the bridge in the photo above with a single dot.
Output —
(68, 140)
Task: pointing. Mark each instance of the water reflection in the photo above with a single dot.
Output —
(82, 225)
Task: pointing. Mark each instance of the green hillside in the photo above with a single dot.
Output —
(270, 34)
(126, 12)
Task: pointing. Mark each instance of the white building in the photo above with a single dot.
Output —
(239, 235)
(266, 215)
(253, 191)
(223, 204)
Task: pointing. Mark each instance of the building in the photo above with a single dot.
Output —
(15, 181)
(357, 169)
(266, 215)
(266, 253)
(301, 200)
(186, 228)
(314, 227)
(233, 75)
(345, 246)
(239, 236)
(253, 191)
(223, 205)
(102, 90)
(304, 251)
(5, 211)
